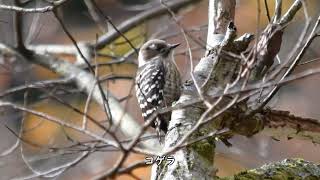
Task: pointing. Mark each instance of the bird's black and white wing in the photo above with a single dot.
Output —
(150, 81)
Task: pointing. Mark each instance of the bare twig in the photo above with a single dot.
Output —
(95, 16)
(140, 18)
(54, 5)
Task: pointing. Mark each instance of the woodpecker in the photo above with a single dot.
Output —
(158, 82)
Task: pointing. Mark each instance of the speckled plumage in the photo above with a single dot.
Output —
(158, 81)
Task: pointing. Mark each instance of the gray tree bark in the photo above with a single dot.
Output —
(212, 75)
(196, 160)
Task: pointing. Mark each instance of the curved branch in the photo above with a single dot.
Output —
(140, 18)
(54, 5)
(87, 82)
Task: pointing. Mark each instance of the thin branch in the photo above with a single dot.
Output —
(267, 10)
(105, 99)
(95, 16)
(278, 11)
(295, 62)
(53, 6)
(140, 18)
(291, 12)
(18, 27)
(35, 85)
(108, 19)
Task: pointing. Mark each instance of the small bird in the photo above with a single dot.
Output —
(158, 82)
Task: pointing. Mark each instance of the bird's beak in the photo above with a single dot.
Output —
(172, 46)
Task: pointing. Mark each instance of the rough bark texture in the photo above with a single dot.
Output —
(286, 169)
(213, 74)
(282, 124)
(196, 161)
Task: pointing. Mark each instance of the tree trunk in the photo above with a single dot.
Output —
(213, 74)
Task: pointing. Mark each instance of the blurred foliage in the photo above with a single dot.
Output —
(45, 132)
(120, 46)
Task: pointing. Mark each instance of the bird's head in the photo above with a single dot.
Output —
(155, 48)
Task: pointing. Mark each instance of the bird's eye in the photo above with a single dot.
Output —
(153, 46)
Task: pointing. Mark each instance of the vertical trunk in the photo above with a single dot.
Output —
(195, 161)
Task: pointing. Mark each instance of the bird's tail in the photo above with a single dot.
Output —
(157, 123)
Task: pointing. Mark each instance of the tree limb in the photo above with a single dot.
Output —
(140, 18)
(87, 82)
(286, 169)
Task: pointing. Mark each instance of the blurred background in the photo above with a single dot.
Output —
(300, 97)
